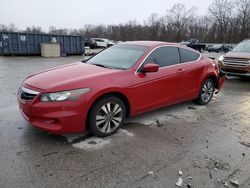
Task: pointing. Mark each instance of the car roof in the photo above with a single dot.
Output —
(150, 43)
(99, 38)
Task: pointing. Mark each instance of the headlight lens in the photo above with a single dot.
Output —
(221, 58)
(63, 95)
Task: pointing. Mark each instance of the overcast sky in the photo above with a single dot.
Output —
(77, 13)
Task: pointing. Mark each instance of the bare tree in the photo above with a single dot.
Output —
(12, 28)
(227, 21)
(243, 7)
(34, 29)
(154, 25)
(63, 31)
(3, 28)
(179, 18)
(220, 12)
(52, 30)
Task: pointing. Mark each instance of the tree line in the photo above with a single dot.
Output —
(227, 21)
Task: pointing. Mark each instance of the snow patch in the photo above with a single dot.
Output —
(125, 132)
(183, 113)
(92, 143)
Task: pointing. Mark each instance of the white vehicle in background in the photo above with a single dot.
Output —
(101, 42)
(111, 43)
(104, 43)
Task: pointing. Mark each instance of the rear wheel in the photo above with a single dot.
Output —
(107, 116)
(206, 92)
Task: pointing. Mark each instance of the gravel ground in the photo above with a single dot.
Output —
(210, 144)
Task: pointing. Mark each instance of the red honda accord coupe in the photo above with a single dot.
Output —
(125, 80)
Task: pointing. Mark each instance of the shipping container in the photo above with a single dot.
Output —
(13, 43)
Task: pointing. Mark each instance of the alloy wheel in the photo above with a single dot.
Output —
(109, 117)
(207, 91)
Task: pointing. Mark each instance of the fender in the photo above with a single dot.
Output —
(107, 91)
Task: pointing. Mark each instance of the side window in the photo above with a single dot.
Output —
(164, 56)
(188, 55)
(98, 40)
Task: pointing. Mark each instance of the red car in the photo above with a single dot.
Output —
(122, 81)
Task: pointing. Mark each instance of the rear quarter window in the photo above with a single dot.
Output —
(188, 55)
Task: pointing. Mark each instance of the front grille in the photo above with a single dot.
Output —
(236, 62)
(27, 94)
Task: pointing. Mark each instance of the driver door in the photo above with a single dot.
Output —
(153, 90)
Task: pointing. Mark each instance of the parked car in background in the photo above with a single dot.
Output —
(237, 62)
(194, 43)
(90, 43)
(100, 42)
(231, 47)
(111, 43)
(208, 46)
(124, 80)
(218, 48)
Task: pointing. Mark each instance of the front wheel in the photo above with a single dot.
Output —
(206, 92)
(106, 116)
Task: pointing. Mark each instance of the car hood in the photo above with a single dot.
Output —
(237, 55)
(66, 77)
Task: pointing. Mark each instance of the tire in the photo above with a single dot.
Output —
(102, 119)
(206, 92)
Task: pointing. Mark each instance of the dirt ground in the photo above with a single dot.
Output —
(210, 144)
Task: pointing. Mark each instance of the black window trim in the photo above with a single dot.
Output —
(178, 47)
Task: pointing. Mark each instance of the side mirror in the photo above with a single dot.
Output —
(150, 67)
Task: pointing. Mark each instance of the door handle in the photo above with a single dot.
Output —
(181, 70)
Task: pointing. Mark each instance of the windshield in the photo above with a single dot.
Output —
(243, 47)
(119, 56)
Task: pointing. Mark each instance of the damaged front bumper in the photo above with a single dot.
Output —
(220, 81)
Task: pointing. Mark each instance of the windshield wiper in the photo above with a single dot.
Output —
(100, 65)
(108, 67)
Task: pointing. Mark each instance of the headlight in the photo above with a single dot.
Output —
(63, 95)
(221, 58)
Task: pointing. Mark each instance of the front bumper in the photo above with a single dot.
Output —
(235, 71)
(229, 73)
(220, 81)
(56, 117)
